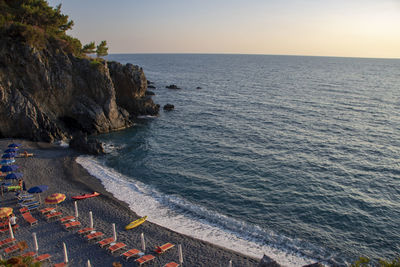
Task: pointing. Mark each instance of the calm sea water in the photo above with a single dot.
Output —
(295, 157)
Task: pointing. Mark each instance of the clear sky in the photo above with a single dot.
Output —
(350, 28)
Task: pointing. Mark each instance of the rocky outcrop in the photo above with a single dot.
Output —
(268, 262)
(48, 94)
(172, 86)
(81, 143)
(168, 107)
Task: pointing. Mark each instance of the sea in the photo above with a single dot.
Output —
(294, 157)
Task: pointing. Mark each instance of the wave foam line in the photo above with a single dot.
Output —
(159, 208)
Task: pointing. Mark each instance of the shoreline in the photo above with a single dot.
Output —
(56, 167)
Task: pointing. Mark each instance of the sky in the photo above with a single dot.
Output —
(345, 28)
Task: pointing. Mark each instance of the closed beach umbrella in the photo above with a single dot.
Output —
(230, 263)
(35, 242)
(37, 190)
(11, 230)
(15, 145)
(143, 243)
(11, 150)
(88, 263)
(5, 212)
(14, 175)
(180, 254)
(8, 155)
(91, 219)
(9, 168)
(114, 232)
(76, 209)
(55, 198)
(65, 253)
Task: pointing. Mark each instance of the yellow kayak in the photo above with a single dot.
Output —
(136, 223)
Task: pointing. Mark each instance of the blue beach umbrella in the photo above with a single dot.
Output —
(8, 156)
(11, 150)
(14, 145)
(15, 175)
(38, 189)
(9, 168)
(7, 161)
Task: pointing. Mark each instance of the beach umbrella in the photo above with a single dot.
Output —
(11, 150)
(88, 263)
(143, 243)
(55, 198)
(65, 253)
(14, 175)
(38, 189)
(8, 156)
(76, 209)
(230, 263)
(91, 219)
(180, 254)
(114, 232)
(35, 242)
(14, 145)
(11, 230)
(7, 161)
(5, 212)
(9, 168)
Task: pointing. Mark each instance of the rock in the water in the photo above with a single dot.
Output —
(149, 93)
(169, 107)
(81, 143)
(317, 264)
(268, 262)
(151, 86)
(198, 87)
(172, 86)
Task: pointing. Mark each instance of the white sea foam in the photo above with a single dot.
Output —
(164, 210)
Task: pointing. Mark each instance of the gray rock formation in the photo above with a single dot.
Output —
(168, 107)
(268, 262)
(172, 86)
(48, 94)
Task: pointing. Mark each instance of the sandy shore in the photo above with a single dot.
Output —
(56, 167)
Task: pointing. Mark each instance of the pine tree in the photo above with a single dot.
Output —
(89, 48)
(102, 49)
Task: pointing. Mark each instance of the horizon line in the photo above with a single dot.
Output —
(245, 54)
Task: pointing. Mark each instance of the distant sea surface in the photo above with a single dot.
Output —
(295, 157)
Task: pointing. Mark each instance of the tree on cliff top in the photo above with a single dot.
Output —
(102, 49)
(89, 48)
(35, 22)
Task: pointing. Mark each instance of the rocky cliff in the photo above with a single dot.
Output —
(49, 94)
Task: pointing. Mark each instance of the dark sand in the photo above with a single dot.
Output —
(56, 167)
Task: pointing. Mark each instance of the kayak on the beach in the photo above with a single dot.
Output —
(136, 223)
(83, 196)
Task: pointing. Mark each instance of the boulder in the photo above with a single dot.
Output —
(149, 93)
(169, 107)
(81, 143)
(151, 86)
(198, 87)
(268, 262)
(172, 86)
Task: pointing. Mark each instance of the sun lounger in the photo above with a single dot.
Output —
(29, 204)
(25, 198)
(86, 230)
(71, 225)
(96, 235)
(105, 242)
(61, 264)
(67, 219)
(42, 258)
(131, 253)
(47, 210)
(31, 208)
(7, 242)
(163, 248)
(11, 250)
(29, 219)
(116, 247)
(15, 227)
(52, 215)
(29, 254)
(144, 259)
(171, 264)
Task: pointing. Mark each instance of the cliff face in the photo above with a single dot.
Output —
(49, 94)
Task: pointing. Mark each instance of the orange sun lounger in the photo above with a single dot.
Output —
(52, 215)
(6, 230)
(29, 219)
(95, 235)
(29, 254)
(7, 242)
(42, 258)
(61, 264)
(163, 248)
(47, 210)
(144, 259)
(71, 225)
(131, 253)
(105, 242)
(67, 219)
(85, 230)
(116, 247)
(10, 250)
(171, 264)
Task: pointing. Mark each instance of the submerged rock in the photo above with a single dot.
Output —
(172, 86)
(149, 93)
(169, 107)
(198, 87)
